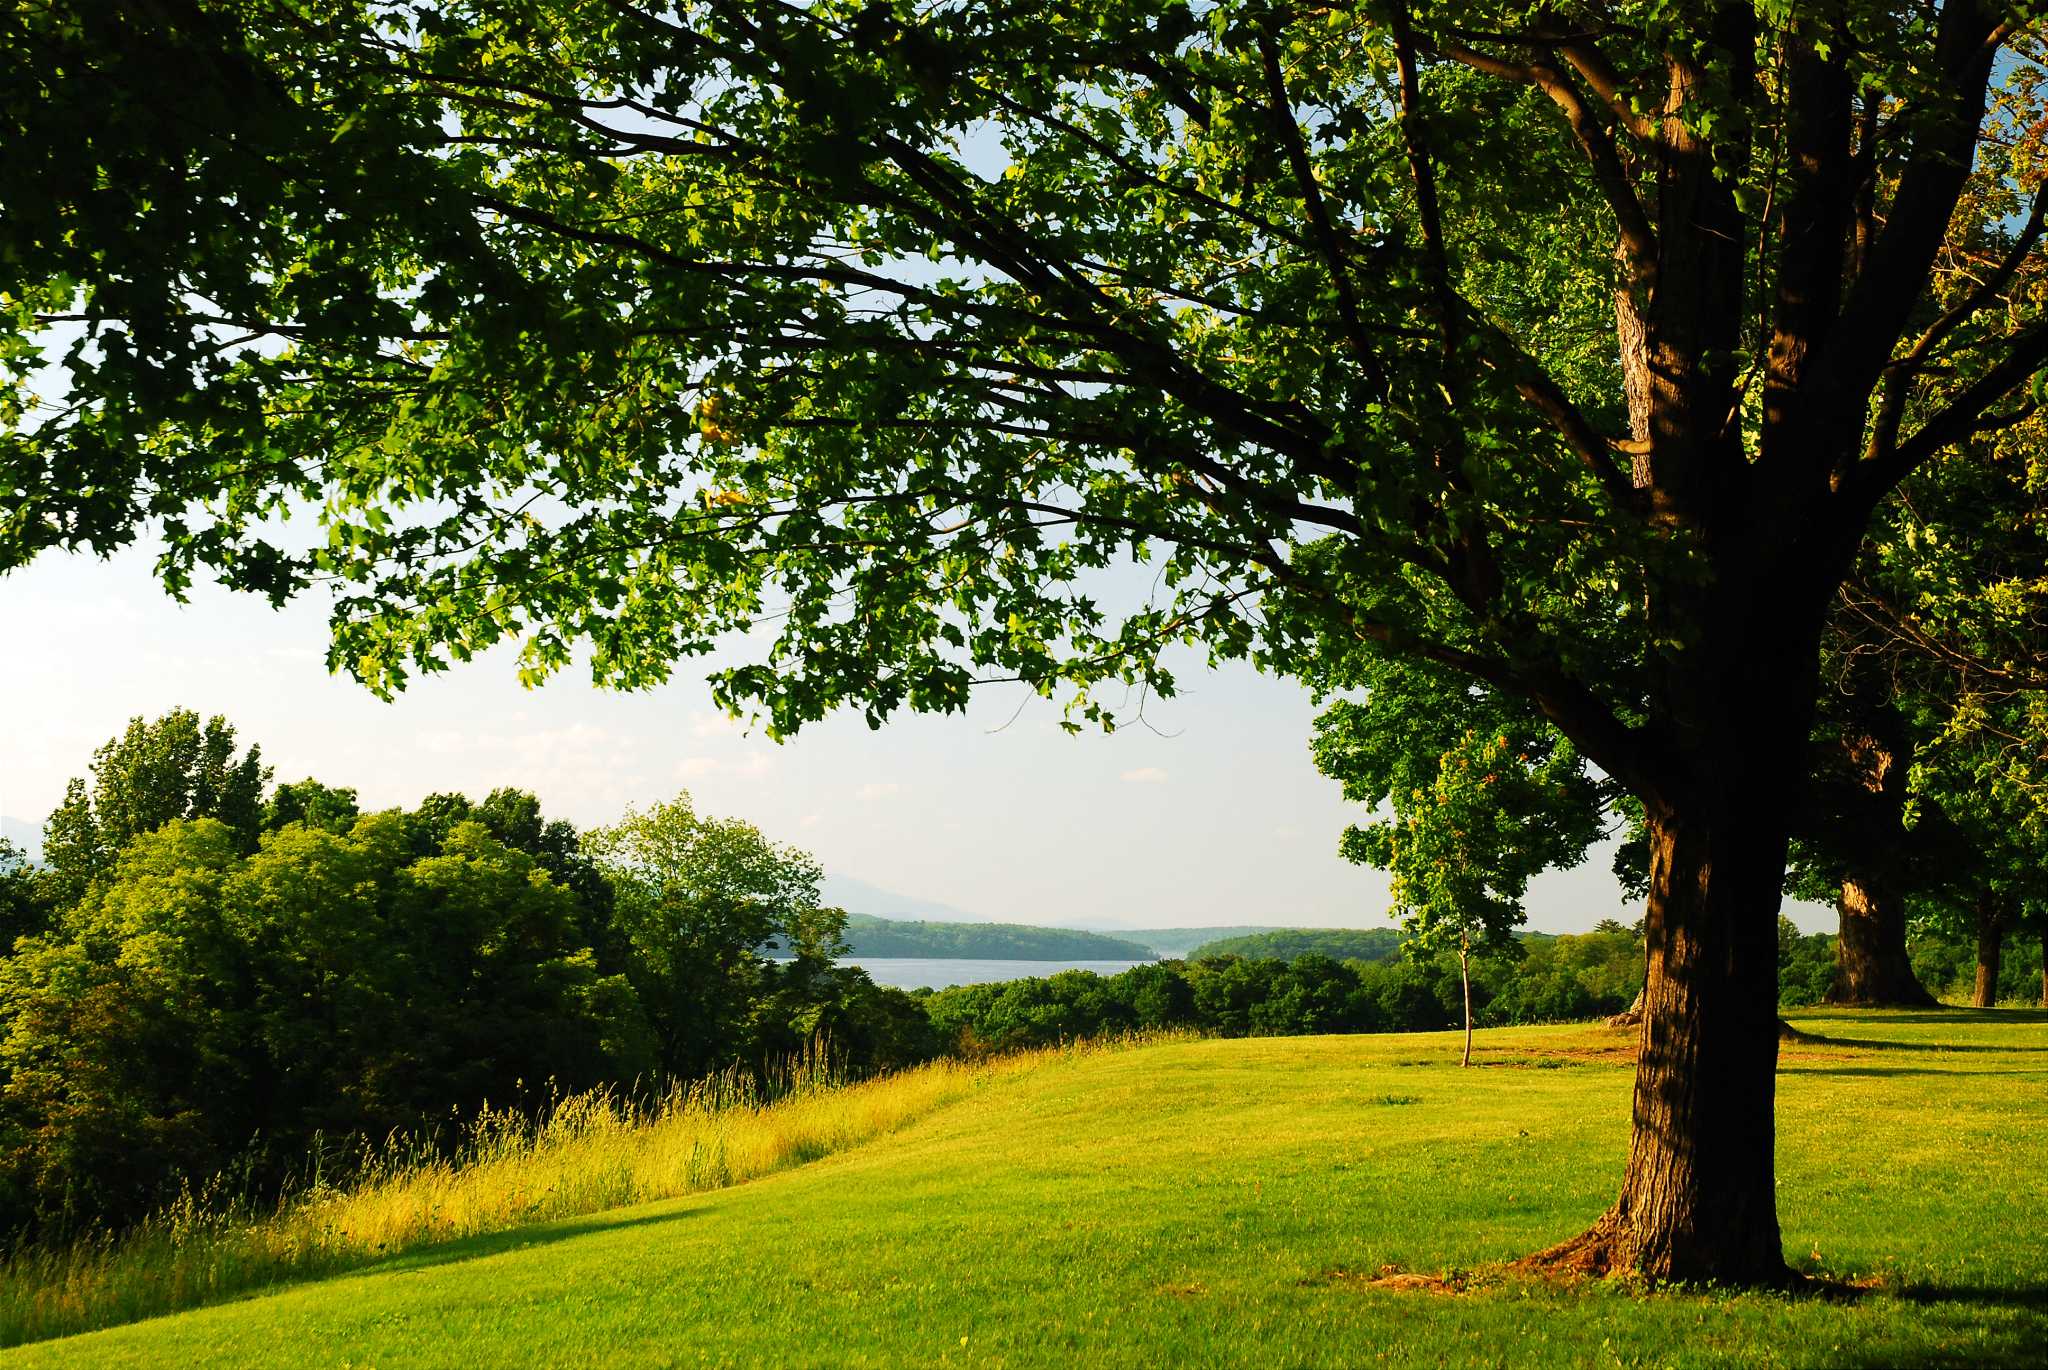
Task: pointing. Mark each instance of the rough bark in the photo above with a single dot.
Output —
(1632, 333)
(1698, 1200)
(1872, 966)
(1991, 923)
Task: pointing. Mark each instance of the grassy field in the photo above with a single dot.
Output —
(1226, 1202)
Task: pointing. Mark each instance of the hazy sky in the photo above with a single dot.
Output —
(1217, 817)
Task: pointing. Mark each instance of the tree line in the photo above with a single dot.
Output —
(208, 973)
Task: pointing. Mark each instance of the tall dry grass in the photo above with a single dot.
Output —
(588, 1153)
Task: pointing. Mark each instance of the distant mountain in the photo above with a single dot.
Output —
(870, 936)
(26, 836)
(858, 896)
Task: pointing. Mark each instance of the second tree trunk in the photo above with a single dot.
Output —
(1990, 951)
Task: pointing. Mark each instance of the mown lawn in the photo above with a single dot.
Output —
(1224, 1202)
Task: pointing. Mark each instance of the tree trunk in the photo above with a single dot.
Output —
(2044, 965)
(1465, 975)
(1990, 951)
(1872, 966)
(1699, 1198)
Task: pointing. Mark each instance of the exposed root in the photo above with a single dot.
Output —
(1594, 1254)
(1908, 994)
(1606, 1251)
(1632, 1016)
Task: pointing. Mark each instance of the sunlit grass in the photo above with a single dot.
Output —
(588, 1153)
(1228, 1203)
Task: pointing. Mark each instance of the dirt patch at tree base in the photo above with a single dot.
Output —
(1393, 1277)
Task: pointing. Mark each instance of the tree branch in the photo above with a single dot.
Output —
(1334, 260)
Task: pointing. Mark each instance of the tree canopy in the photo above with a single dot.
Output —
(155, 771)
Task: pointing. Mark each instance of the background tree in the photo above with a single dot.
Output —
(202, 1008)
(156, 770)
(1938, 667)
(311, 803)
(27, 895)
(699, 901)
(1504, 798)
(1573, 353)
(1857, 846)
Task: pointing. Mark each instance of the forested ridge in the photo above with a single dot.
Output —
(870, 936)
(1343, 944)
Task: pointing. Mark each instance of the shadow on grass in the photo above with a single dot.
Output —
(1894, 1044)
(1961, 1325)
(1802, 1068)
(511, 1239)
(1916, 1016)
(2033, 1296)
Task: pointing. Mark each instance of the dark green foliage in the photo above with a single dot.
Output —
(1560, 979)
(200, 1002)
(311, 803)
(1806, 965)
(1342, 944)
(217, 996)
(171, 767)
(28, 896)
(1181, 942)
(869, 936)
(1946, 962)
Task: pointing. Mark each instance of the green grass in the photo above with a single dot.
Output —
(1223, 1202)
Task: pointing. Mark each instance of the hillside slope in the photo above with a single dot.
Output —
(1216, 1202)
(1288, 944)
(870, 936)
(1173, 942)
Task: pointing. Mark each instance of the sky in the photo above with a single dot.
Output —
(1208, 812)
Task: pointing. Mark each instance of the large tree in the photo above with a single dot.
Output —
(1571, 349)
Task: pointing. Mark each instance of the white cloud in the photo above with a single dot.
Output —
(696, 767)
(809, 820)
(876, 790)
(1144, 775)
